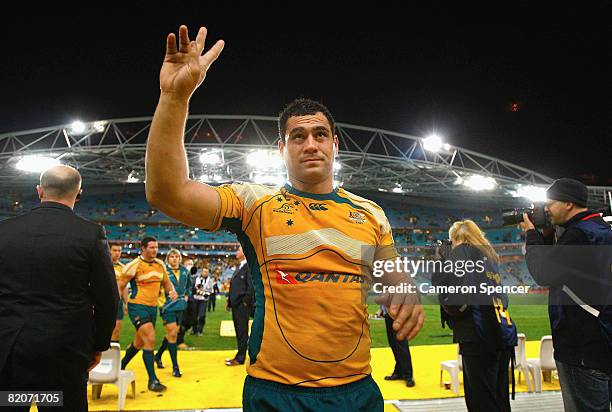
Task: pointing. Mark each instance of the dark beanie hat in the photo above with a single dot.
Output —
(568, 190)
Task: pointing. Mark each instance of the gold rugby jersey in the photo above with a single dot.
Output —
(118, 267)
(145, 280)
(306, 257)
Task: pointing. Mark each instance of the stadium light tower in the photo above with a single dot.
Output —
(265, 159)
(211, 158)
(433, 143)
(36, 163)
(479, 182)
(77, 127)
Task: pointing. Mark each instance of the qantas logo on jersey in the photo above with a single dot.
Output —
(304, 277)
(284, 279)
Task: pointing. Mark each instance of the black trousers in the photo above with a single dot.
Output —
(187, 322)
(485, 380)
(212, 302)
(401, 351)
(240, 316)
(200, 314)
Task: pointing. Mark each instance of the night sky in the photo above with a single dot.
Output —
(414, 71)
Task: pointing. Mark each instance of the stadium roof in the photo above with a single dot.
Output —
(225, 148)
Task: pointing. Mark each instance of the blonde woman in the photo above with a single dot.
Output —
(172, 311)
(481, 326)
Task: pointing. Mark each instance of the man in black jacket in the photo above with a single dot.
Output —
(576, 268)
(240, 300)
(58, 295)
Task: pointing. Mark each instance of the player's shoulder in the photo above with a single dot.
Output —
(362, 202)
(160, 262)
(132, 263)
(249, 193)
(368, 205)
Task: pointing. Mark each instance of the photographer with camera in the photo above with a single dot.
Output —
(203, 288)
(577, 270)
(480, 322)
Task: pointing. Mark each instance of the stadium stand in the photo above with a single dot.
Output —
(128, 217)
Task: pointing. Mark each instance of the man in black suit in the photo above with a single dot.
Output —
(240, 299)
(58, 295)
(401, 352)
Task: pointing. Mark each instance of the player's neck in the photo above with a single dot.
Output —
(324, 187)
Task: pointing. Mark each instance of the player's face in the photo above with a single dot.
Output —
(115, 253)
(174, 260)
(309, 148)
(150, 251)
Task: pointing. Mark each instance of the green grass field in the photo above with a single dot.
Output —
(529, 313)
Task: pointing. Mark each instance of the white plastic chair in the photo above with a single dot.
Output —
(452, 367)
(109, 371)
(521, 365)
(544, 364)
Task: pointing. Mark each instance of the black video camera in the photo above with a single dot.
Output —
(536, 213)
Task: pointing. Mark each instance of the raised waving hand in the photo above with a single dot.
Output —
(185, 65)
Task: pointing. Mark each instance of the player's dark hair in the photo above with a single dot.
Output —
(145, 241)
(302, 107)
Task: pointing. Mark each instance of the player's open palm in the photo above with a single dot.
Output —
(184, 67)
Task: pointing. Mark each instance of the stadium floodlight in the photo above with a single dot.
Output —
(208, 178)
(479, 182)
(77, 127)
(211, 158)
(132, 178)
(36, 163)
(432, 143)
(268, 179)
(337, 166)
(99, 126)
(397, 189)
(533, 193)
(263, 159)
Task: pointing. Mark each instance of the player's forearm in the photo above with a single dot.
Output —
(168, 286)
(166, 161)
(124, 294)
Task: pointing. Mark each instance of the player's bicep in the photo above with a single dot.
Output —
(196, 204)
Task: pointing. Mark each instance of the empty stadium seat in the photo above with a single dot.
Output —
(452, 367)
(521, 365)
(109, 371)
(545, 364)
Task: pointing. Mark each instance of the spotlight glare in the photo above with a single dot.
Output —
(479, 182)
(210, 158)
(265, 159)
(77, 127)
(36, 163)
(531, 192)
(432, 143)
